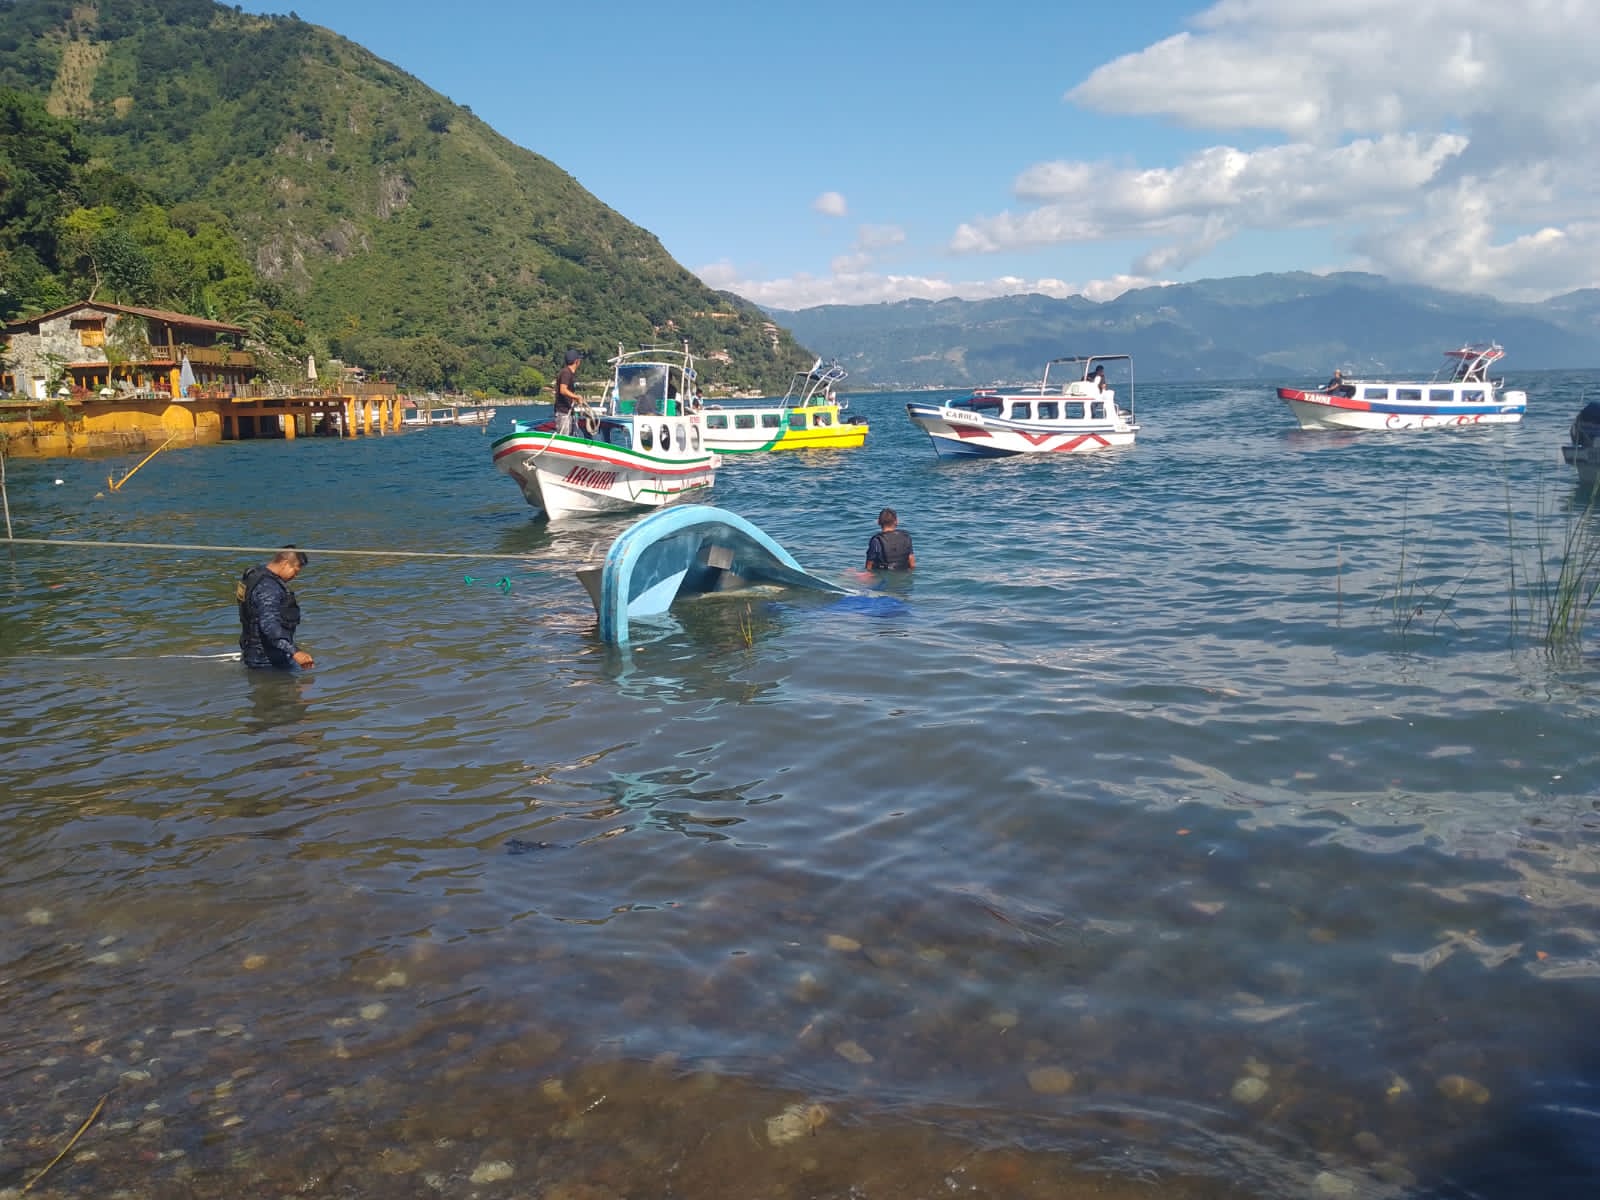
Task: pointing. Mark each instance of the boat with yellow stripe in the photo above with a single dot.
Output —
(810, 416)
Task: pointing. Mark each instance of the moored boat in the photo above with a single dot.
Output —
(810, 416)
(1461, 393)
(641, 447)
(1071, 410)
(1582, 451)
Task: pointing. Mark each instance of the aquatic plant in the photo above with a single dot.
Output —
(1562, 574)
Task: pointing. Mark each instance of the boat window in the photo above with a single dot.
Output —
(771, 421)
(646, 438)
(822, 418)
(717, 421)
(1049, 410)
(1408, 394)
(1097, 410)
(1374, 393)
(797, 420)
(1472, 397)
(616, 434)
(1441, 395)
(694, 435)
(683, 439)
(666, 438)
(744, 421)
(988, 406)
(641, 387)
(1021, 411)
(1074, 410)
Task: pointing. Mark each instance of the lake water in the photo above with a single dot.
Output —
(1212, 818)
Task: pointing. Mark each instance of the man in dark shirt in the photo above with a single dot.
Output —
(890, 548)
(567, 392)
(269, 612)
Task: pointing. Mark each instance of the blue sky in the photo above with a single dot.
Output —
(856, 152)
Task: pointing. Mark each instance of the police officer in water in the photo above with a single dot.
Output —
(269, 612)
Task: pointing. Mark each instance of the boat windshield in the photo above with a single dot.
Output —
(646, 387)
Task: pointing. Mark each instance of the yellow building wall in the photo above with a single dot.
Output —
(101, 431)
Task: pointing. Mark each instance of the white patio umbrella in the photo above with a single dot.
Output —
(185, 377)
(311, 367)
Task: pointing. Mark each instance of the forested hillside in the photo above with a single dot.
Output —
(406, 233)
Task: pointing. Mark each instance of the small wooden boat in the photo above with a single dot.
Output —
(810, 416)
(642, 447)
(1459, 394)
(687, 550)
(1582, 451)
(1071, 410)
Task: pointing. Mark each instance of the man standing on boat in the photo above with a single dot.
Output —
(269, 612)
(566, 391)
(890, 548)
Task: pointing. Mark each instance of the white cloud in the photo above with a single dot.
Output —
(830, 204)
(1203, 201)
(847, 286)
(1451, 142)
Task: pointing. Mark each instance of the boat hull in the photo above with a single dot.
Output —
(1322, 410)
(754, 429)
(1585, 460)
(570, 476)
(959, 434)
(692, 549)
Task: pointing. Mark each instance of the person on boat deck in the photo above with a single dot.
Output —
(890, 548)
(1336, 382)
(566, 391)
(269, 612)
(1098, 378)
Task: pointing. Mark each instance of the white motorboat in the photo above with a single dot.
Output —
(1071, 410)
(1459, 394)
(641, 447)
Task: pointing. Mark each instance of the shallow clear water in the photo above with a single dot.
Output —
(1211, 818)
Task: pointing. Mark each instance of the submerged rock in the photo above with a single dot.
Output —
(796, 1121)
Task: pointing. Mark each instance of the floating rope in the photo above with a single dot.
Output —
(83, 543)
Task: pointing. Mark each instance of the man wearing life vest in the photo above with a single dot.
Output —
(890, 548)
(269, 612)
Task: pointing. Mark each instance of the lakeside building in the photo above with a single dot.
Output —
(99, 376)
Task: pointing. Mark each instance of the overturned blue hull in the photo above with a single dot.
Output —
(687, 550)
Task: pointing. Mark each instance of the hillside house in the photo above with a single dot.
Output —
(98, 349)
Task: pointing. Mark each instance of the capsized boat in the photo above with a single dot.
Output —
(1582, 450)
(641, 447)
(687, 550)
(810, 416)
(1459, 394)
(1071, 410)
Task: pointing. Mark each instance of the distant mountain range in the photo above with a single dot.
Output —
(1284, 326)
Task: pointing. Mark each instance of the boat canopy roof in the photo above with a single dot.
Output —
(1081, 366)
(806, 386)
(1471, 363)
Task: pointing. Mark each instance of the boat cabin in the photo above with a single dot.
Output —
(1380, 393)
(649, 389)
(768, 419)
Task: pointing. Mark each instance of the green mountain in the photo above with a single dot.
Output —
(408, 234)
(1247, 327)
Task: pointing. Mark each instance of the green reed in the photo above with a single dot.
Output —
(1552, 576)
(1561, 573)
